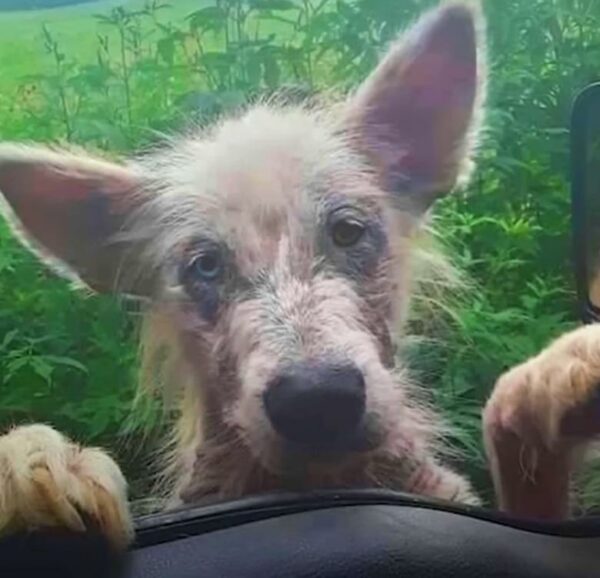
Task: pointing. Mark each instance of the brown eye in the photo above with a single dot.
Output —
(347, 232)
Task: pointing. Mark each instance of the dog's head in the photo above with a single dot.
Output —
(277, 242)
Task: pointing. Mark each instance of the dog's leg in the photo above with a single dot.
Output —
(48, 481)
(540, 414)
(437, 481)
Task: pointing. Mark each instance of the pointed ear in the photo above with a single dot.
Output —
(417, 116)
(68, 209)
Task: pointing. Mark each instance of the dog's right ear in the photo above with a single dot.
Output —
(417, 116)
(68, 208)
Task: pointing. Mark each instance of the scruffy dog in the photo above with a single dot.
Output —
(274, 251)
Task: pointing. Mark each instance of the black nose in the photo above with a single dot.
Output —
(316, 404)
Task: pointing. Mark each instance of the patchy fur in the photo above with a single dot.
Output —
(296, 310)
(281, 238)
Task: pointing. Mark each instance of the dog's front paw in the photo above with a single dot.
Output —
(539, 413)
(553, 398)
(48, 481)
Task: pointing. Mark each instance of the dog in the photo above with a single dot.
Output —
(274, 253)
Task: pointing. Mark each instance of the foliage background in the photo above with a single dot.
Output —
(114, 77)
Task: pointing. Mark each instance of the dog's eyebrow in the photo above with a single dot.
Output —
(338, 201)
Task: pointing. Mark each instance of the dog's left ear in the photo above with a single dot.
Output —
(417, 116)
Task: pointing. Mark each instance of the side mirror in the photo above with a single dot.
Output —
(585, 200)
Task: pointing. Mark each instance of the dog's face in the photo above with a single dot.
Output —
(283, 281)
(278, 242)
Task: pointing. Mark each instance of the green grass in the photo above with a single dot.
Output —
(74, 27)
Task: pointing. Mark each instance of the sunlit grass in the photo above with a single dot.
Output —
(74, 27)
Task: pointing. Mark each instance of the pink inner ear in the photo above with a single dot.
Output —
(420, 102)
(72, 213)
(62, 210)
(44, 201)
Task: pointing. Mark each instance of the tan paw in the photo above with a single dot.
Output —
(48, 481)
(537, 418)
(553, 396)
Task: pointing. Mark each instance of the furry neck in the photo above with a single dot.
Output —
(225, 469)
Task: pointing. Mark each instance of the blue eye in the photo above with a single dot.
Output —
(205, 266)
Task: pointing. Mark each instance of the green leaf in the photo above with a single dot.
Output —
(8, 339)
(165, 48)
(272, 4)
(14, 366)
(210, 18)
(66, 361)
(42, 368)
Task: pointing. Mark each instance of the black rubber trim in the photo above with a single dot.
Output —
(369, 541)
(588, 97)
(53, 553)
(184, 523)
